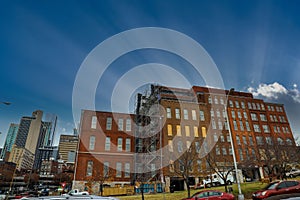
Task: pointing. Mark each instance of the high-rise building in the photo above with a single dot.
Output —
(34, 131)
(23, 131)
(10, 140)
(67, 147)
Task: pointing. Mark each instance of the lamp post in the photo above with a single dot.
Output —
(240, 195)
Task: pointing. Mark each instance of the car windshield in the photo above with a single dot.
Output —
(271, 186)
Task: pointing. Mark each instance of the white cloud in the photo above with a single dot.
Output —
(271, 91)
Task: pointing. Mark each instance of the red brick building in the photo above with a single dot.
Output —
(105, 152)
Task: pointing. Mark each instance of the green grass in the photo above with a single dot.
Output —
(247, 190)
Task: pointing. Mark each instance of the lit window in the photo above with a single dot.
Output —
(196, 134)
(187, 131)
(203, 129)
(178, 130)
(170, 132)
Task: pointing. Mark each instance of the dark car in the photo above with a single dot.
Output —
(211, 195)
(278, 188)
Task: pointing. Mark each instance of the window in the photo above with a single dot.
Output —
(185, 114)
(218, 113)
(245, 115)
(258, 106)
(280, 141)
(256, 128)
(194, 116)
(271, 118)
(239, 115)
(254, 106)
(203, 129)
(188, 145)
(127, 144)
(287, 129)
(107, 144)
(245, 140)
(120, 124)
(209, 100)
(241, 126)
(230, 151)
(228, 138)
(169, 115)
(238, 140)
(289, 141)
(180, 146)
(235, 127)
(92, 143)
(170, 145)
(177, 113)
(224, 151)
(196, 134)
(275, 129)
(187, 131)
(230, 104)
(218, 150)
(233, 114)
(106, 169)
(237, 105)
(202, 118)
(263, 117)
(108, 123)
(222, 138)
(128, 124)
(266, 128)
(249, 105)
(224, 114)
(127, 170)
(213, 124)
(216, 138)
(118, 169)
(199, 164)
(212, 113)
(89, 168)
(178, 130)
(243, 104)
(170, 131)
(94, 122)
(247, 126)
(216, 100)
(220, 125)
(120, 144)
(241, 154)
(259, 140)
(221, 100)
(197, 147)
(250, 140)
(262, 106)
(269, 140)
(253, 117)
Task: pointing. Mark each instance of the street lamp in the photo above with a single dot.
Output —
(240, 195)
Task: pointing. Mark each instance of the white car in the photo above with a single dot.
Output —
(293, 173)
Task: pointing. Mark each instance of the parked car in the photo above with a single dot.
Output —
(211, 195)
(278, 188)
(293, 173)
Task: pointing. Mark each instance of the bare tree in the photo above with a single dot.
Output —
(221, 165)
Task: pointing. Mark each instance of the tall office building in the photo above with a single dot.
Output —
(34, 131)
(23, 131)
(67, 147)
(10, 140)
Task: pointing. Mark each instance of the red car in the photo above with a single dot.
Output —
(211, 195)
(278, 188)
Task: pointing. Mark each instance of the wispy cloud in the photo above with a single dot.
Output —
(271, 91)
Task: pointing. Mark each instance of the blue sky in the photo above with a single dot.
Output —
(255, 45)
